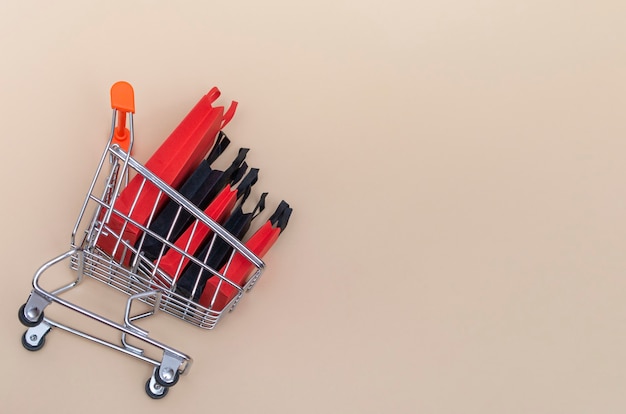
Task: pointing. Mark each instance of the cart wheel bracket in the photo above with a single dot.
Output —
(31, 313)
(34, 336)
(167, 374)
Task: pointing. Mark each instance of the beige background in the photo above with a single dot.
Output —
(457, 173)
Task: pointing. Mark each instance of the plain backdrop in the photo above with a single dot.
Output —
(457, 174)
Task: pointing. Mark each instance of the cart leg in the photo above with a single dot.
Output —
(128, 319)
(31, 313)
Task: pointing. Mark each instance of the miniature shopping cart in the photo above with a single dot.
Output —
(126, 269)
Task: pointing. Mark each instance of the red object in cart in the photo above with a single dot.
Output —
(217, 294)
(173, 262)
(172, 162)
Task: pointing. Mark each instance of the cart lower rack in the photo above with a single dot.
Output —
(120, 264)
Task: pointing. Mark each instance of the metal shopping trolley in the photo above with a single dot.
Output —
(125, 268)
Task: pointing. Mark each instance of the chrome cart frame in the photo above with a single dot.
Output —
(141, 279)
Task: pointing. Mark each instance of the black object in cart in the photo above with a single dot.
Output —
(201, 188)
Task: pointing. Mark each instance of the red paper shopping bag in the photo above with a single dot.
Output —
(172, 162)
(217, 293)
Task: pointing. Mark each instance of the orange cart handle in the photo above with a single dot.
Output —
(123, 101)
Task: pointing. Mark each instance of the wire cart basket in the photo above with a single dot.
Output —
(126, 269)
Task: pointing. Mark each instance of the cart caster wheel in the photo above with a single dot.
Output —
(157, 391)
(27, 322)
(30, 347)
(162, 382)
